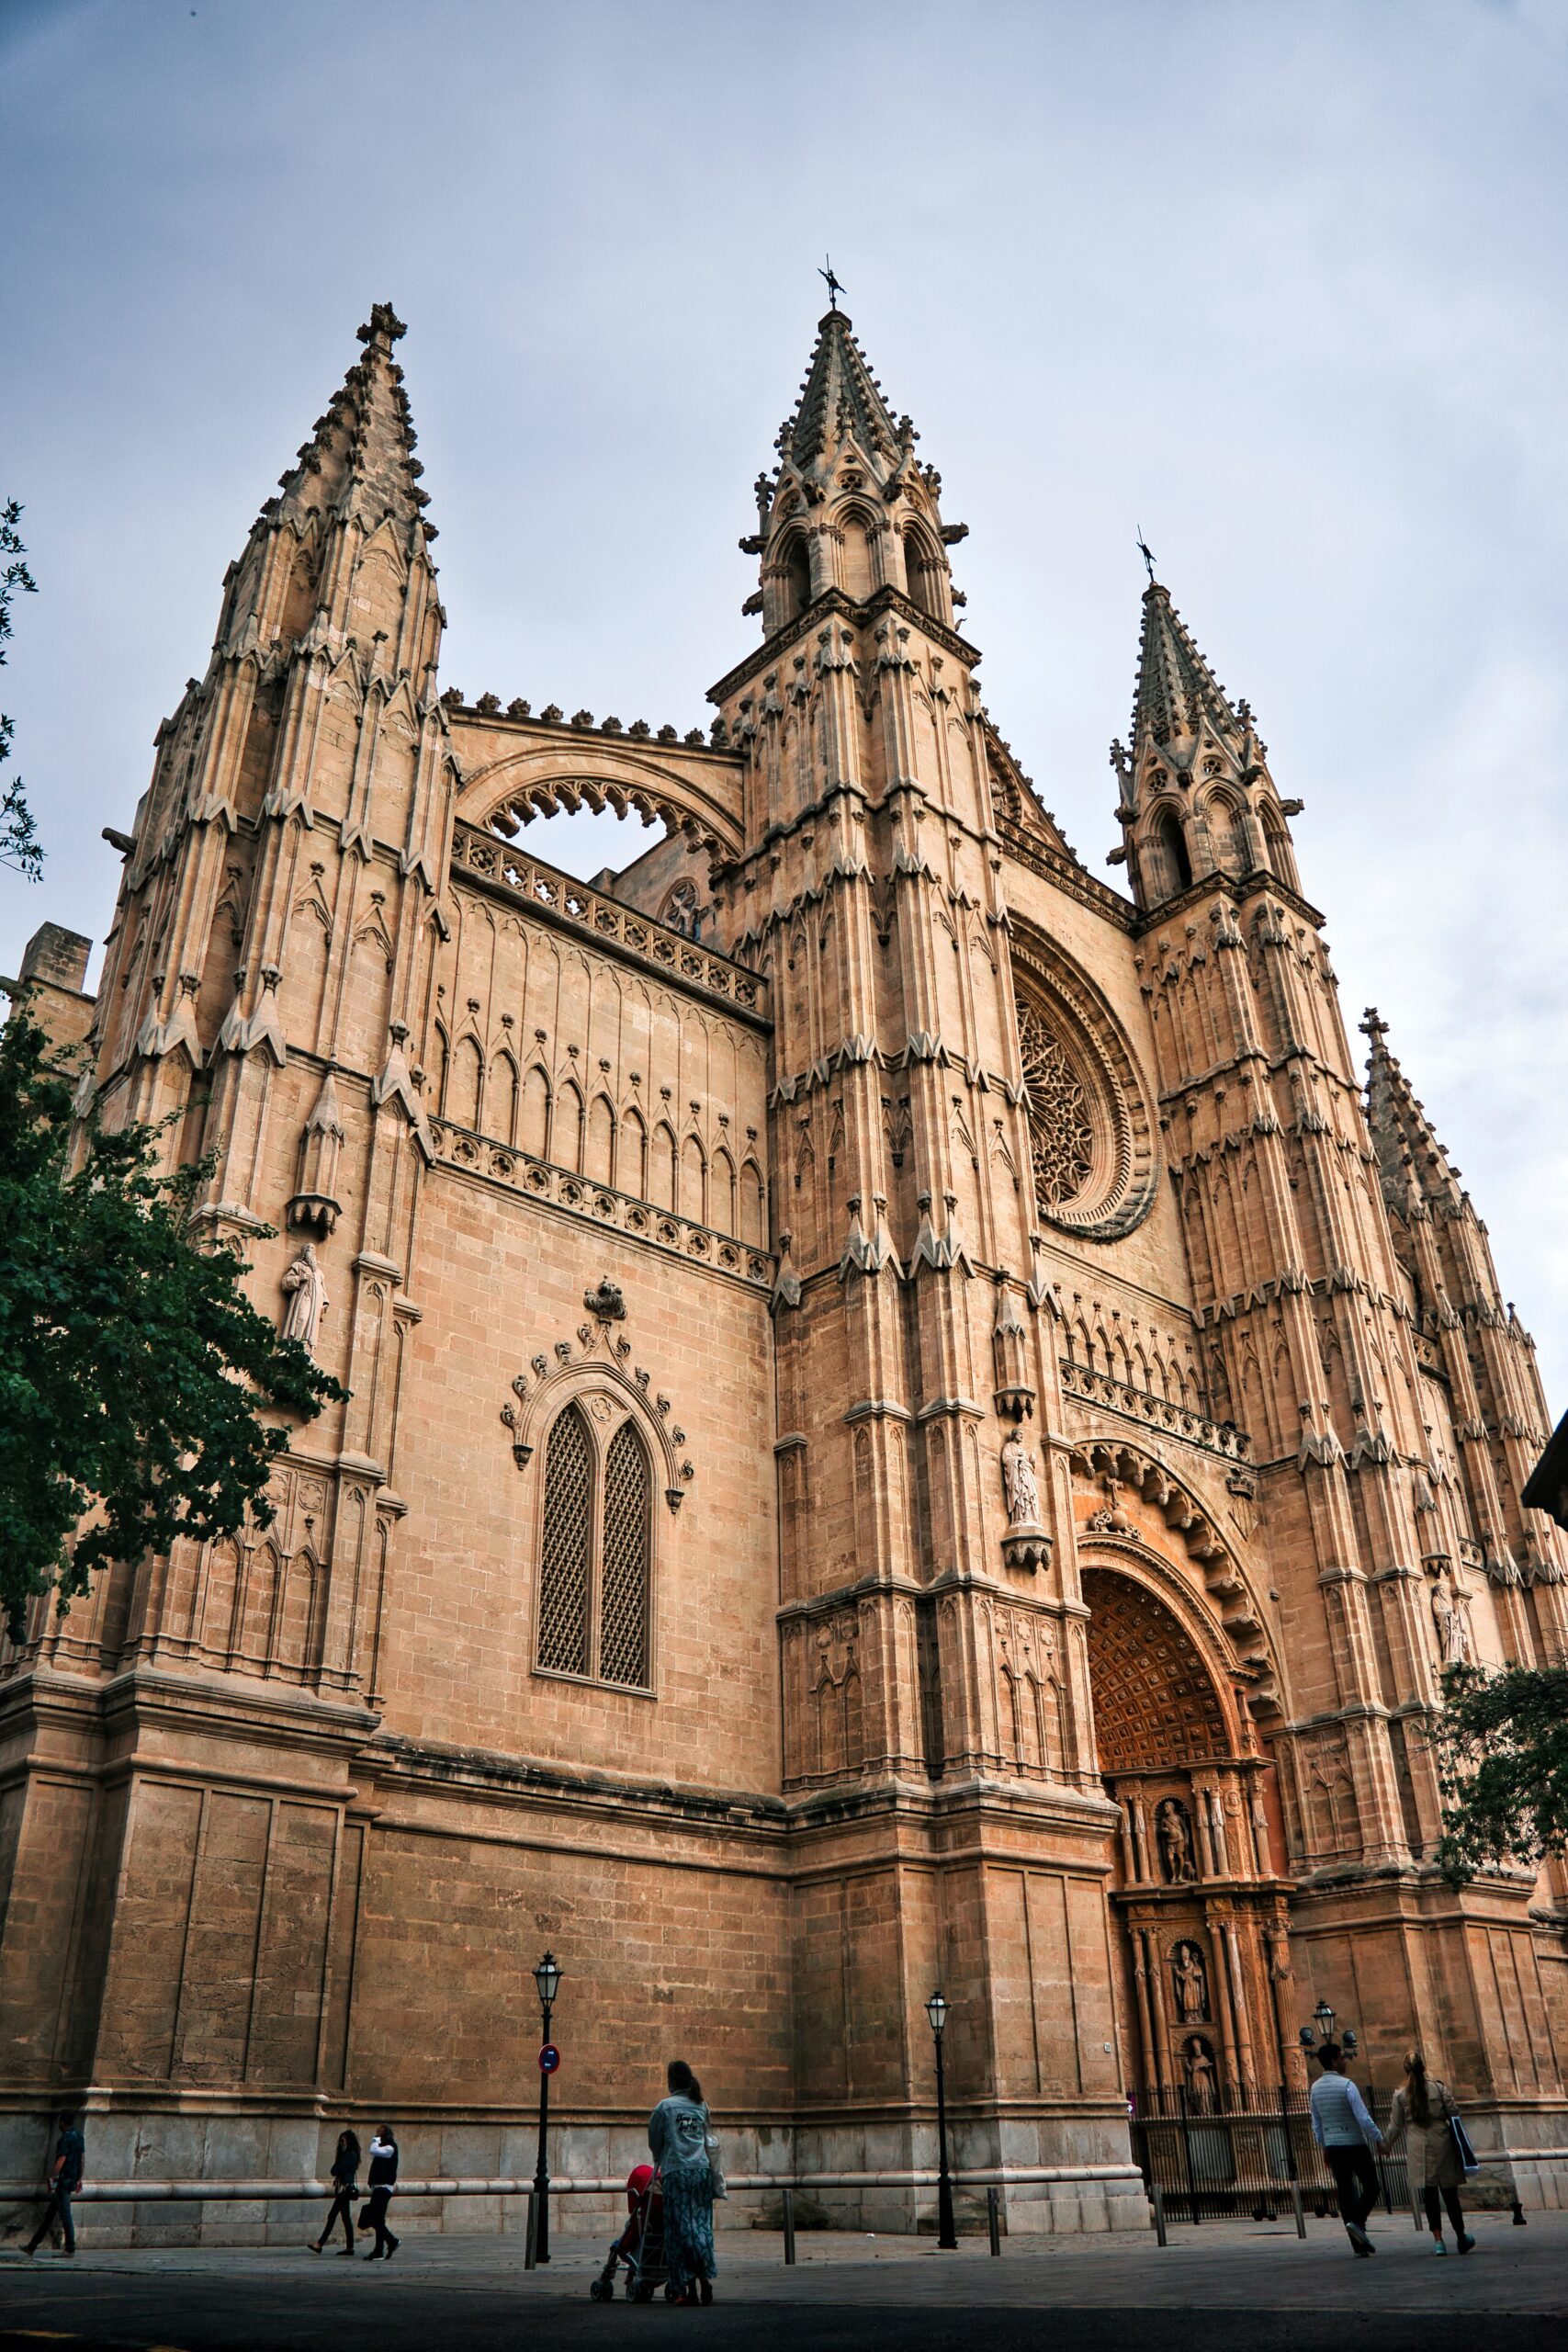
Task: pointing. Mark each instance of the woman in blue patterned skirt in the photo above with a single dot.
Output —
(679, 2138)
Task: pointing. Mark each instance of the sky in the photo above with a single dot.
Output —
(1281, 285)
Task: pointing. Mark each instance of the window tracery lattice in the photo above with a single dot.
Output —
(623, 1630)
(595, 1558)
(565, 1559)
(1061, 1129)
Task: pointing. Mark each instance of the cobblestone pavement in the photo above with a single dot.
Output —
(1224, 2288)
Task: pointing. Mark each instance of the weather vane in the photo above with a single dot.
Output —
(834, 288)
(1148, 558)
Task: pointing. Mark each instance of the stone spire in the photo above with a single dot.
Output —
(1413, 1166)
(849, 505)
(360, 461)
(1196, 797)
(1176, 696)
(841, 400)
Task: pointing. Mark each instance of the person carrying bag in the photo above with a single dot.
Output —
(1439, 2155)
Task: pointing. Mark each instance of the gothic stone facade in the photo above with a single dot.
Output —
(911, 1420)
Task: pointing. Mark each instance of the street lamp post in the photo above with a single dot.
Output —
(547, 1977)
(946, 2233)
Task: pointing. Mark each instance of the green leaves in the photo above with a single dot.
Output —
(133, 1369)
(19, 846)
(1502, 1749)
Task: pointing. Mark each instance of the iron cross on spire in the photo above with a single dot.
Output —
(834, 287)
(1147, 555)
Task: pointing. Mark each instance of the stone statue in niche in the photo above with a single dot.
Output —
(306, 1289)
(1175, 1834)
(1203, 2074)
(1019, 1486)
(1279, 1943)
(1451, 1618)
(1192, 1983)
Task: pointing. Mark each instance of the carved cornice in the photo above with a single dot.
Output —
(460, 1152)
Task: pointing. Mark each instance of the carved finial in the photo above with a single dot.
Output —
(384, 325)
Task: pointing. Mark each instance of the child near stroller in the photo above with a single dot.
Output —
(640, 2245)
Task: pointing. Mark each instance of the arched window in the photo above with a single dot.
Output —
(797, 577)
(595, 1562)
(917, 573)
(856, 576)
(1228, 832)
(1172, 844)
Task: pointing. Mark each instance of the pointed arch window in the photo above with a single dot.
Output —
(797, 577)
(596, 1547)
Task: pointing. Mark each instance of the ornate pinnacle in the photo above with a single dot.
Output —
(384, 324)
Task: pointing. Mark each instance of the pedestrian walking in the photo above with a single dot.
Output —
(1346, 2134)
(64, 2180)
(1426, 2112)
(346, 2189)
(383, 2180)
(685, 2149)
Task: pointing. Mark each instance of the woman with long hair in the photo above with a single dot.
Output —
(345, 2188)
(682, 2142)
(1424, 2109)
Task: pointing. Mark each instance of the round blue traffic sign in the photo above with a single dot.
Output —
(549, 2059)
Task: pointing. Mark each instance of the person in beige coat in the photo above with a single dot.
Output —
(1422, 2112)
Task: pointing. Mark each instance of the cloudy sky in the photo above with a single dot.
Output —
(1285, 284)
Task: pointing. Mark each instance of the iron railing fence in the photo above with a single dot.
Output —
(1244, 2154)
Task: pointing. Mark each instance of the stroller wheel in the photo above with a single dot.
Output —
(601, 2290)
(642, 2294)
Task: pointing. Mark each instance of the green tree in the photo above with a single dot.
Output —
(133, 1369)
(1502, 1749)
(19, 846)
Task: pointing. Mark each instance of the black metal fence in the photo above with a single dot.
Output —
(1251, 2154)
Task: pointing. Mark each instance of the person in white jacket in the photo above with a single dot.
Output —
(1346, 2134)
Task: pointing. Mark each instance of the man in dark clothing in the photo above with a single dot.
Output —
(64, 2180)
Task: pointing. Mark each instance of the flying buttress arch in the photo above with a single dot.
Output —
(513, 770)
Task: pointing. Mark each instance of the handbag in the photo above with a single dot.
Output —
(1467, 2155)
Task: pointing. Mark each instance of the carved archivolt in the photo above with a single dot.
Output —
(1092, 1125)
(603, 1362)
(1112, 1466)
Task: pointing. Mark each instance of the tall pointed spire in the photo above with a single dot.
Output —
(1413, 1166)
(359, 458)
(1197, 801)
(849, 506)
(841, 401)
(1177, 695)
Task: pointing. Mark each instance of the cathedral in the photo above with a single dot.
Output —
(916, 1420)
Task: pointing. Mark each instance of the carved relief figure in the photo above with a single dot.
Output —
(1019, 1484)
(1192, 1983)
(1175, 1833)
(306, 1288)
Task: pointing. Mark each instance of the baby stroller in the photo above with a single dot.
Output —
(640, 2245)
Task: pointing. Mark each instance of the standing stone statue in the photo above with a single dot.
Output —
(1453, 1630)
(1019, 1485)
(1175, 1834)
(1192, 1983)
(306, 1287)
(1199, 2070)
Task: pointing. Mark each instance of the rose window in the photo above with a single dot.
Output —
(1061, 1131)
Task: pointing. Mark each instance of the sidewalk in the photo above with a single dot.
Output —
(1222, 2266)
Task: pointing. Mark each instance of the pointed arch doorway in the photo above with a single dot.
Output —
(1197, 1906)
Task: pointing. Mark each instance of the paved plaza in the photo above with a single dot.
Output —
(1229, 2287)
